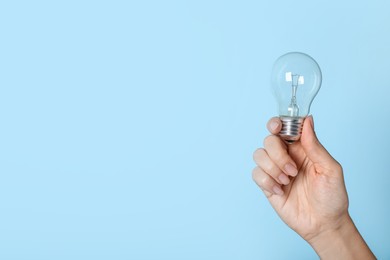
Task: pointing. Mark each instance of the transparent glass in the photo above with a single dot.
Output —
(295, 81)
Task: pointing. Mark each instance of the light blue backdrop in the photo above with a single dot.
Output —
(127, 128)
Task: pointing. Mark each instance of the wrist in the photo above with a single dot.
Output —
(342, 241)
(332, 238)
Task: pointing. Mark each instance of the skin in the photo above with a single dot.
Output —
(305, 186)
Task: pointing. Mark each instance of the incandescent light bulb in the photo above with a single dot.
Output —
(295, 80)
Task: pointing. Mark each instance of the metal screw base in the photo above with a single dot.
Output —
(291, 128)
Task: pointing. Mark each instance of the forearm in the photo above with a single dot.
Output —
(342, 243)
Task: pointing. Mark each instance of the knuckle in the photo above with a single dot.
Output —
(255, 173)
(258, 154)
(268, 168)
(269, 140)
(264, 181)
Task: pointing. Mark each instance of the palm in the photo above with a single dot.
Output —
(313, 197)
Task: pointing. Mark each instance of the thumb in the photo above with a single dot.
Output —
(312, 147)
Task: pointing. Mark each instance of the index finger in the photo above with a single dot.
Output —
(274, 125)
(277, 151)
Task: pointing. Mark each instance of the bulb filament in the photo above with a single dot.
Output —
(295, 80)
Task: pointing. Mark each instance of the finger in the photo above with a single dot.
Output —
(312, 146)
(262, 159)
(274, 125)
(277, 151)
(266, 183)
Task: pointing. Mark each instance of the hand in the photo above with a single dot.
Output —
(305, 186)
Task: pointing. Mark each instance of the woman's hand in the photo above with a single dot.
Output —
(305, 186)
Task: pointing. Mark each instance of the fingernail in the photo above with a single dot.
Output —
(273, 126)
(277, 190)
(290, 169)
(284, 179)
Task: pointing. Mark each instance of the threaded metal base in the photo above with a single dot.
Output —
(291, 128)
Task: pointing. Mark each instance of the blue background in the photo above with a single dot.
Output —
(127, 128)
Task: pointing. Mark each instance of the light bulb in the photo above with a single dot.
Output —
(295, 81)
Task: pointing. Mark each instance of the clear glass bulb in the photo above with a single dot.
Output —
(295, 80)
